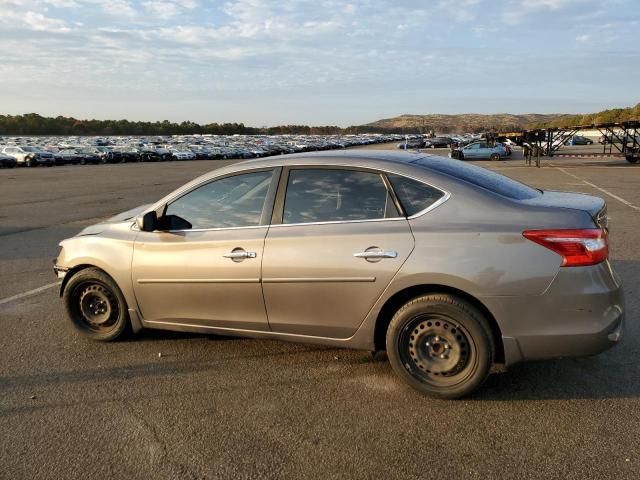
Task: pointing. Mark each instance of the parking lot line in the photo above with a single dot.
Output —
(603, 190)
(29, 293)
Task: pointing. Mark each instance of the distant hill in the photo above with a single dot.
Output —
(475, 122)
(605, 116)
(465, 122)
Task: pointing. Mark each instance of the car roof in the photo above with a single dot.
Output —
(373, 158)
(403, 163)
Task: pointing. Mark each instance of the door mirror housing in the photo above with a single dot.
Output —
(148, 222)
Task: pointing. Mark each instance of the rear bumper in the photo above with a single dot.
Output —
(572, 344)
(582, 313)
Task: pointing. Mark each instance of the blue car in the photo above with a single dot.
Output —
(480, 150)
(579, 140)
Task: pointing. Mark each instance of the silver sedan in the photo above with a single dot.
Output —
(450, 268)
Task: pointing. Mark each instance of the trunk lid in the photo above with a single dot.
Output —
(596, 207)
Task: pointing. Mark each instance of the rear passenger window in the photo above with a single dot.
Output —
(414, 196)
(326, 195)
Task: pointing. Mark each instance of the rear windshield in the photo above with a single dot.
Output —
(481, 177)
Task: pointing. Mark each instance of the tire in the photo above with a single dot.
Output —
(95, 305)
(495, 157)
(429, 327)
(631, 159)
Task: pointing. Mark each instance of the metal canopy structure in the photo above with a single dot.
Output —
(623, 137)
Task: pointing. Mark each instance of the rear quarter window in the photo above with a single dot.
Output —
(481, 177)
(414, 196)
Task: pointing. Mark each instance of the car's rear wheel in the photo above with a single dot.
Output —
(441, 345)
(494, 157)
(95, 305)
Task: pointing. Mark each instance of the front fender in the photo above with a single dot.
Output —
(112, 252)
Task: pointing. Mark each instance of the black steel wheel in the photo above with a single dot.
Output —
(95, 305)
(441, 345)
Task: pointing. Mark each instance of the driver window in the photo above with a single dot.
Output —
(235, 201)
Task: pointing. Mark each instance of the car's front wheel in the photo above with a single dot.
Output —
(495, 157)
(441, 345)
(95, 305)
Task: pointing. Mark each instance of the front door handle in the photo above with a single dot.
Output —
(239, 254)
(376, 254)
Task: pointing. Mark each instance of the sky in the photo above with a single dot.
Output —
(316, 62)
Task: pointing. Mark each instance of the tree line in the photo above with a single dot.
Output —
(613, 115)
(34, 124)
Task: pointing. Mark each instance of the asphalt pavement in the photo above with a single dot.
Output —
(167, 405)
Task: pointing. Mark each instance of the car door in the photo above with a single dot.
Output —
(336, 241)
(206, 271)
(484, 150)
(471, 151)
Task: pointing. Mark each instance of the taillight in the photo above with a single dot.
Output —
(577, 247)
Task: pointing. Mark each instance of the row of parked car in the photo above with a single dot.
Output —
(421, 141)
(50, 151)
(466, 147)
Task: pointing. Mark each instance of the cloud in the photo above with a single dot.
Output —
(62, 3)
(39, 22)
(552, 4)
(33, 21)
(162, 9)
(520, 10)
(118, 8)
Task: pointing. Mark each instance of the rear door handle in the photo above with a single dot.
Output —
(239, 254)
(374, 254)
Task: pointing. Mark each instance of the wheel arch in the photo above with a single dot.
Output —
(78, 268)
(393, 304)
(134, 317)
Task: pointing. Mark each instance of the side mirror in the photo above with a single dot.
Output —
(148, 222)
